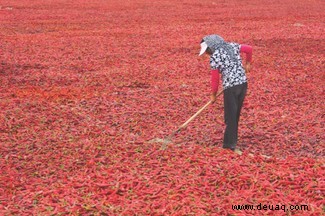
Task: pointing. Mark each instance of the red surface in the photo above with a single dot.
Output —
(85, 85)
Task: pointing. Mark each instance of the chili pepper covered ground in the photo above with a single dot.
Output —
(85, 85)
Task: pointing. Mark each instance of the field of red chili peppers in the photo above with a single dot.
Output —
(84, 85)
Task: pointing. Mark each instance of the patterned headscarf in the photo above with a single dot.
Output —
(215, 42)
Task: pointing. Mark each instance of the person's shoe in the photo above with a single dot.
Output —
(237, 151)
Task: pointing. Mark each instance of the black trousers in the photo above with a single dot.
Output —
(233, 101)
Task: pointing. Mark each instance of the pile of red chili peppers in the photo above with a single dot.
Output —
(85, 84)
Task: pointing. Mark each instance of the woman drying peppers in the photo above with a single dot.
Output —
(225, 59)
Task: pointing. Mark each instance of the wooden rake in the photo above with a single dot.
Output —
(168, 139)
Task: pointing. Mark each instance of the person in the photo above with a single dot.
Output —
(225, 59)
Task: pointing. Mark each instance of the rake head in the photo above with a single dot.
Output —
(164, 142)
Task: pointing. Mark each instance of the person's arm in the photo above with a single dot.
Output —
(248, 50)
(214, 84)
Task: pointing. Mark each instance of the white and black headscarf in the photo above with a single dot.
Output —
(215, 42)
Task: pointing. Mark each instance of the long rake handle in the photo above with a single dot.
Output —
(195, 115)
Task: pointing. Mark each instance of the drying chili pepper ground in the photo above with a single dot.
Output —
(85, 85)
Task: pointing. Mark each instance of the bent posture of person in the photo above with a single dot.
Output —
(225, 59)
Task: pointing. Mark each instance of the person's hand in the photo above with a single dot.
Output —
(213, 98)
(248, 67)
